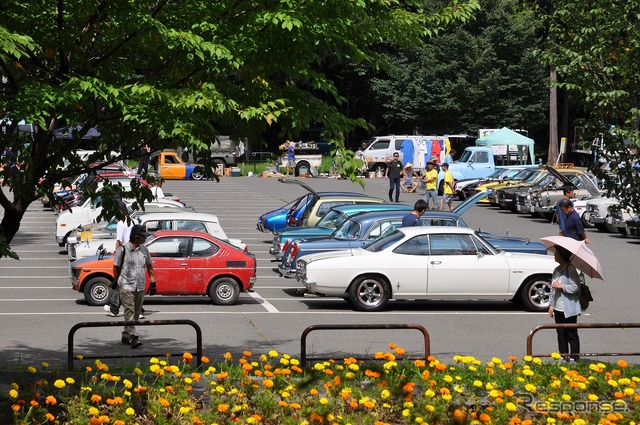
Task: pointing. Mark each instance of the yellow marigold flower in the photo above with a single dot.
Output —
(185, 409)
(531, 388)
(527, 358)
(354, 367)
(130, 411)
(45, 365)
(447, 379)
(612, 382)
(93, 411)
(429, 408)
(59, 383)
(323, 401)
(13, 393)
(31, 369)
(477, 383)
(579, 421)
(566, 397)
(406, 413)
(555, 356)
(429, 393)
(385, 394)
(528, 372)
(511, 407)
(407, 405)
(473, 368)
(127, 384)
(551, 421)
(446, 397)
(629, 391)
(70, 381)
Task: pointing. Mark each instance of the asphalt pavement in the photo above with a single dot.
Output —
(38, 306)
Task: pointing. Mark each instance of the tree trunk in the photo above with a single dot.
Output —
(552, 159)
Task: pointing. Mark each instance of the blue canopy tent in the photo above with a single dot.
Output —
(509, 147)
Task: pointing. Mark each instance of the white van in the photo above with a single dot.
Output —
(381, 149)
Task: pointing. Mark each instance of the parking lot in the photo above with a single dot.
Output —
(38, 306)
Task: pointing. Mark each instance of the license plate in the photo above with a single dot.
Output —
(519, 208)
(609, 220)
(86, 235)
(533, 209)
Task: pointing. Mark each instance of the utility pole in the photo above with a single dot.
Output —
(552, 158)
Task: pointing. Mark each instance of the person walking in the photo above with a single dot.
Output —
(573, 227)
(413, 218)
(132, 261)
(564, 303)
(431, 182)
(568, 193)
(394, 170)
(449, 188)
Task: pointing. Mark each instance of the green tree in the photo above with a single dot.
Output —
(481, 74)
(178, 74)
(594, 47)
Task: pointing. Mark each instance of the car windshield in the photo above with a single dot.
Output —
(330, 220)
(349, 230)
(496, 174)
(533, 177)
(384, 241)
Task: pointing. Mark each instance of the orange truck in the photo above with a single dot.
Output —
(171, 167)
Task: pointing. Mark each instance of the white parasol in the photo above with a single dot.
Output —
(582, 259)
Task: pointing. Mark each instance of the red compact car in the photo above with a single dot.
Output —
(185, 263)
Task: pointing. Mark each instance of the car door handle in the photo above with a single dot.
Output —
(184, 264)
(436, 262)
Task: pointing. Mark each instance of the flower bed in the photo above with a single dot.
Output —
(273, 389)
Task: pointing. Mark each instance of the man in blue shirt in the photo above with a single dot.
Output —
(568, 194)
(413, 218)
(573, 227)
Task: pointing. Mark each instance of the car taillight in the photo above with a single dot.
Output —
(294, 250)
(286, 245)
(293, 221)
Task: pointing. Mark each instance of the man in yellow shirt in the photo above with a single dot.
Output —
(449, 188)
(431, 180)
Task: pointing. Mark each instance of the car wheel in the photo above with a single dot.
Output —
(441, 188)
(370, 293)
(379, 169)
(198, 174)
(224, 291)
(302, 167)
(535, 293)
(610, 228)
(622, 231)
(97, 291)
(585, 221)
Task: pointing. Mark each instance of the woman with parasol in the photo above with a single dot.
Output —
(564, 302)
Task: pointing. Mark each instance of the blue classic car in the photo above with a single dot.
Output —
(308, 209)
(363, 228)
(327, 224)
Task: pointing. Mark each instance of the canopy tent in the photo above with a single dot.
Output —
(67, 133)
(507, 142)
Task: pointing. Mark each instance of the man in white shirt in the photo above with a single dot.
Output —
(156, 190)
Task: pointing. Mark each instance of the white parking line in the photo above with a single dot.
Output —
(315, 312)
(266, 304)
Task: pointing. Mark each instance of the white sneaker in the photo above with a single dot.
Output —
(107, 308)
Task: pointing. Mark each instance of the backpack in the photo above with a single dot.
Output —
(585, 296)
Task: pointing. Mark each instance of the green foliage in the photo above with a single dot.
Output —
(482, 74)
(178, 74)
(594, 47)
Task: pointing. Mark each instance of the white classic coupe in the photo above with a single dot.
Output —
(428, 263)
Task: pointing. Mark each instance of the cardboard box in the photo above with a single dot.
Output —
(227, 172)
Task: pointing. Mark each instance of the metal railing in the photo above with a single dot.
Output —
(303, 339)
(580, 326)
(72, 332)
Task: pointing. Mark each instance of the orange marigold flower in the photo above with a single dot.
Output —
(513, 358)
(444, 391)
(257, 418)
(187, 357)
(51, 400)
(119, 422)
(34, 403)
(104, 419)
(328, 372)
(296, 369)
(622, 363)
(223, 376)
(246, 353)
(426, 374)
(295, 406)
(485, 418)
(195, 376)
(408, 387)
(392, 345)
(514, 421)
(420, 364)
(459, 414)
(316, 418)
(399, 351)
(530, 422)
(378, 355)
(353, 404)
(247, 367)
(164, 402)
(508, 393)
(96, 398)
(313, 391)
(196, 420)
(204, 359)
(95, 421)
(223, 408)
(88, 369)
(227, 356)
(337, 380)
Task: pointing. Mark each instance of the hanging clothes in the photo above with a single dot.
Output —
(435, 150)
(407, 150)
(421, 148)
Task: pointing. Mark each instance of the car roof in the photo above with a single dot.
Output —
(378, 214)
(340, 197)
(344, 194)
(177, 214)
(363, 206)
(434, 230)
(187, 233)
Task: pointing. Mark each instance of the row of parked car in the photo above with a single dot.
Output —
(344, 245)
(535, 191)
(192, 255)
